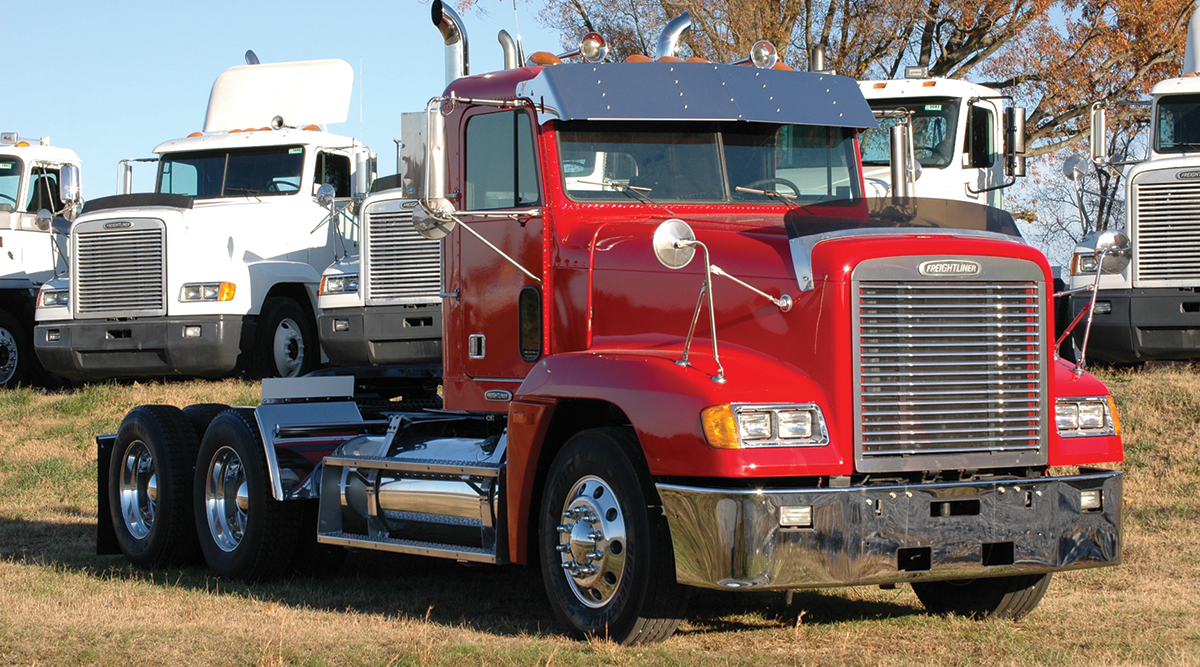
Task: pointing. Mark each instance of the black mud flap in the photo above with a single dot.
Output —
(106, 535)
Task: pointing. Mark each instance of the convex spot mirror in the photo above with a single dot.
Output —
(1076, 167)
(43, 219)
(325, 195)
(674, 244)
(434, 218)
(1118, 255)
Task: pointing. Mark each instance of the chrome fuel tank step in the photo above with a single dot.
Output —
(416, 494)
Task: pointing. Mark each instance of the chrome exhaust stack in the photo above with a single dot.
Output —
(512, 53)
(668, 40)
(458, 52)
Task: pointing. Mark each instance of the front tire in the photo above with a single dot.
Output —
(286, 340)
(149, 489)
(605, 545)
(996, 597)
(16, 350)
(244, 532)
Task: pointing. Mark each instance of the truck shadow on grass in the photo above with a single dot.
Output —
(504, 601)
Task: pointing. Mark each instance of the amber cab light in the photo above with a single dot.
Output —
(720, 427)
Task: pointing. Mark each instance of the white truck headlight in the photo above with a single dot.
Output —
(342, 284)
(1085, 416)
(777, 425)
(207, 292)
(55, 298)
(1083, 263)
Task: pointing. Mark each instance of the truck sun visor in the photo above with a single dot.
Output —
(695, 91)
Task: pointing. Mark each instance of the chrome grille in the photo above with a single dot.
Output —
(402, 266)
(1167, 236)
(948, 369)
(120, 272)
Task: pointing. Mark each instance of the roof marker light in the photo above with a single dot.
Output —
(195, 134)
(639, 58)
(312, 128)
(544, 58)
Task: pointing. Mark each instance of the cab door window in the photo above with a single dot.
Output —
(333, 169)
(980, 149)
(501, 170)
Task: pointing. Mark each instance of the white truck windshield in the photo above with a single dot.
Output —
(10, 182)
(258, 172)
(1177, 126)
(707, 162)
(934, 122)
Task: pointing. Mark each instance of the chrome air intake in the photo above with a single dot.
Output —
(402, 267)
(119, 268)
(1166, 230)
(950, 364)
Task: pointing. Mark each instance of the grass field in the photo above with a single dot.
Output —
(62, 605)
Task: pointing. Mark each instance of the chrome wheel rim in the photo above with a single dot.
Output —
(226, 499)
(138, 489)
(8, 356)
(288, 348)
(592, 541)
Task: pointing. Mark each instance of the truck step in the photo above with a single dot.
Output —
(413, 547)
(415, 465)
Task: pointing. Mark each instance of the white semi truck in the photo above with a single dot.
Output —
(217, 270)
(962, 141)
(1151, 310)
(39, 192)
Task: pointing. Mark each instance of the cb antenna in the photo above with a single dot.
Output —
(520, 47)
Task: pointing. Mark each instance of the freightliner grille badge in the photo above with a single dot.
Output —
(123, 224)
(498, 395)
(941, 268)
(1187, 175)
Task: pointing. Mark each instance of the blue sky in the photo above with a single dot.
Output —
(112, 80)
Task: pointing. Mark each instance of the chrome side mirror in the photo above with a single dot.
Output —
(325, 195)
(43, 219)
(1076, 167)
(1099, 136)
(1114, 252)
(68, 189)
(674, 244)
(434, 218)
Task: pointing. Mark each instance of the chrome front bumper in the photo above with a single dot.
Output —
(730, 539)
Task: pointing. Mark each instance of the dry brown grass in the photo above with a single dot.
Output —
(60, 604)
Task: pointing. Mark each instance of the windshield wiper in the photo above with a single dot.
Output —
(632, 191)
(773, 194)
(1183, 144)
(245, 191)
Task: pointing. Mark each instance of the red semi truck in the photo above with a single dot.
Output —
(680, 350)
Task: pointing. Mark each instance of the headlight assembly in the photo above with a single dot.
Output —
(776, 425)
(1090, 415)
(207, 292)
(342, 284)
(55, 298)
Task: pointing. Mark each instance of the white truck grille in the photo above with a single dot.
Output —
(952, 370)
(402, 266)
(120, 272)
(1167, 234)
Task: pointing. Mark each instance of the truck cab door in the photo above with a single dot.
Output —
(983, 152)
(499, 307)
(333, 168)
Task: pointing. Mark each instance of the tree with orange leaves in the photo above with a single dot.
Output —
(1054, 57)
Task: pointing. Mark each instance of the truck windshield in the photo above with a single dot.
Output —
(707, 162)
(258, 172)
(934, 121)
(1177, 126)
(10, 182)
